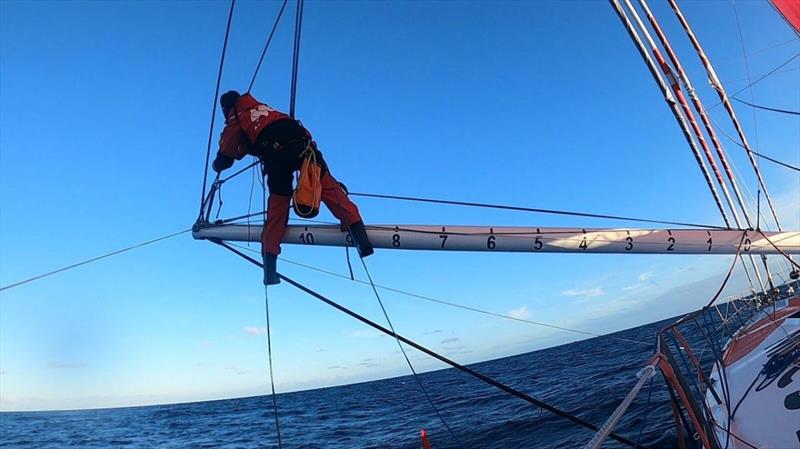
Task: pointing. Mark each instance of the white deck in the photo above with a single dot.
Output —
(762, 419)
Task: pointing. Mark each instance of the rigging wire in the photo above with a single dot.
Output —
(486, 379)
(269, 328)
(529, 209)
(93, 259)
(450, 304)
(403, 351)
(747, 68)
(764, 76)
(783, 253)
(399, 344)
(214, 106)
(492, 206)
(266, 45)
(765, 108)
(298, 26)
(791, 69)
(761, 78)
(761, 155)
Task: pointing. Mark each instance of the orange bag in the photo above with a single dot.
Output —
(308, 193)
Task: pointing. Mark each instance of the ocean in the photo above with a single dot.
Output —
(588, 378)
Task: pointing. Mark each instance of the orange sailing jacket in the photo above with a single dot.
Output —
(246, 119)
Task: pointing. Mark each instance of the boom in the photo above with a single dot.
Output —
(527, 239)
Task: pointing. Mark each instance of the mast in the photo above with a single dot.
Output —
(683, 78)
(526, 239)
(670, 99)
(723, 96)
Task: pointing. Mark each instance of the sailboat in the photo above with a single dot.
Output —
(750, 398)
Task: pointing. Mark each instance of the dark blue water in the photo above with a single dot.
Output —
(587, 378)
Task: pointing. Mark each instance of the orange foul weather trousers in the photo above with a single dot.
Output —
(278, 212)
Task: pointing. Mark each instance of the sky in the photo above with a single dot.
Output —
(104, 117)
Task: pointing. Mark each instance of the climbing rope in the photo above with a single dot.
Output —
(271, 371)
(214, 106)
(486, 379)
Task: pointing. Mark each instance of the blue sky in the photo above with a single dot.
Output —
(104, 111)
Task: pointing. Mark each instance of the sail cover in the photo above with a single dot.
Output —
(790, 10)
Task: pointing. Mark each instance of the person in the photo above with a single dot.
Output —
(254, 128)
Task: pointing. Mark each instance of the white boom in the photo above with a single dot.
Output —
(526, 239)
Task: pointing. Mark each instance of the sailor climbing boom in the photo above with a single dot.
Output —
(284, 146)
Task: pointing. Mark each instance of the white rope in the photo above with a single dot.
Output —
(644, 375)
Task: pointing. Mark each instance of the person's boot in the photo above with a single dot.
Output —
(359, 234)
(270, 269)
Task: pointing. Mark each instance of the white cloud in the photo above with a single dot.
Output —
(231, 367)
(254, 330)
(583, 293)
(520, 313)
(2, 372)
(645, 276)
(450, 340)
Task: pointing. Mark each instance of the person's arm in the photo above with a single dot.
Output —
(222, 162)
(230, 148)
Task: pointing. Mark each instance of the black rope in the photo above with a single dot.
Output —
(486, 379)
(783, 64)
(298, 25)
(730, 271)
(266, 45)
(530, 209)
(763, 156)
(782, 111)
(93, 259)
(783, 253)
(214, 107)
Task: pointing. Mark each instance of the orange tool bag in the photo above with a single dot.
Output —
(308, 193)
